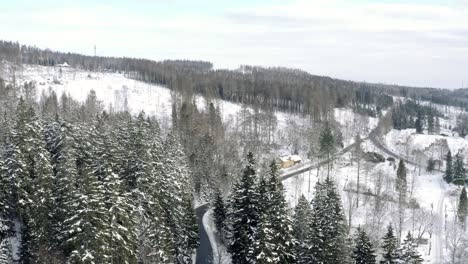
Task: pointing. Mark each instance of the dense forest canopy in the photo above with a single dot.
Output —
(283, 89)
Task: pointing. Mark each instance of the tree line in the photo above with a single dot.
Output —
(80, 185)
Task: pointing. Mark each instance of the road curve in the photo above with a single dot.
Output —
(204, 250)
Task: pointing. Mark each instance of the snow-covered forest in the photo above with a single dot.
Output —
(116, 160)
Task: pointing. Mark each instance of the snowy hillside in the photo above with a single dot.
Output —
(429, 192)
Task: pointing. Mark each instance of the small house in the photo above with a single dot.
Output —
(63, 65)
(289, 160)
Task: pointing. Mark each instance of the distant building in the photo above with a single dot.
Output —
(63, 65)
(289, 160)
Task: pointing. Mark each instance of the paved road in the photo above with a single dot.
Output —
(204, 250)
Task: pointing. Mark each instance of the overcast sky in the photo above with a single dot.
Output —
(419, 43)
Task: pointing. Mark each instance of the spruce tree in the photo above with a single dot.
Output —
(281, 224)
(244, 215)
(401, 181)
(219, 212)
(328, 229)
(462, 211)
(448, 176)
(458, 170)
(86, 238)
(430, 165)
(401, 186)
(29, 169)
(327, 145)
(120, 221)
(301, 229)
(181, 219)
(363, 252)
(430, 123)
(419, 123)
(408, 253)
(389, 247)
(264, 247)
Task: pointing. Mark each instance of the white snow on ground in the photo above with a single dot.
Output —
(408, 142)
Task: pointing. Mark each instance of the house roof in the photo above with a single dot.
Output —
(295, 158)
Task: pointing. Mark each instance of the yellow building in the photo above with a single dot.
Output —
(289, 161)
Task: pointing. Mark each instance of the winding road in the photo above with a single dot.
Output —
(204, 250)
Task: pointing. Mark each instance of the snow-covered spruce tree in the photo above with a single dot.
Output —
(177, 170)
(219, 212)
(448, 176)
(5, 251)
(119, 224)
(459, 177)
(363, 252)
(462, 211)
(419, 123)
(301, 229)
(408, 253)
(161, 192)
(281, 224)
(327, 145)
(328, 228)
(401, 186)
(61, 146)
(30, 173)
(86, 231)
(389, 247)
(263, 246)
(152, 191)
(244, 216)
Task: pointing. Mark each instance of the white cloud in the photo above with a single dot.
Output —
(415, 44)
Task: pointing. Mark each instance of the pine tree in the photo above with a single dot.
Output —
(219, 212)
(462, 211)
(363, 252)
(328, 229)
(390, 253)
(408, 252)
(244, 215)
(448, 176)
(301, 229)
(458, 170)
